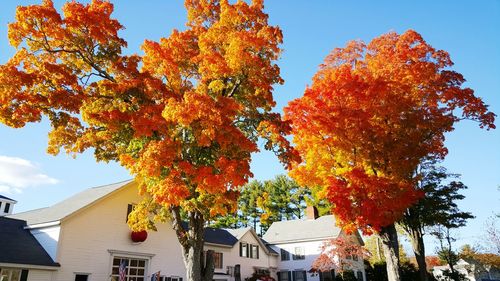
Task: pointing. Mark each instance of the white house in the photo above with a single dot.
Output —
(86, 238)
(299, 242)
(87, 235)
(470, 269)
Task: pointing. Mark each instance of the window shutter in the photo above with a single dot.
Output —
(321, 276)
(257, 252)
(180, 279)
(251, 251)
(24, 275)
(241, 249)
(129, 210)
(333, 274)
(305, 275)
(289, 276)
(221, 260)
(279, 276)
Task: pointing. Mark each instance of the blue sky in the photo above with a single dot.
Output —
(468, 30)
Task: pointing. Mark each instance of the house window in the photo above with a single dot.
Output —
(243, 249)
(135, 269)
(254, 253)
(359, 275)
(299, 253)
(284, 276)
(81, 277)
(173, 278)
(299, 275)
(7, 208)
(218, 260)
(13, 274)
(285, 255)
(327, 275)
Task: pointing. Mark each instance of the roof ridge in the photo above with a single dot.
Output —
(106, 185)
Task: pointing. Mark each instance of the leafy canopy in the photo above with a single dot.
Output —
(372, 113)
(183, 118)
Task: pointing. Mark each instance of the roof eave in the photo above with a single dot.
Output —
(56, 266)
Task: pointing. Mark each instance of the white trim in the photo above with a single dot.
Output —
(42, 225)
(219, 245)
(29, 266)
(130, 254)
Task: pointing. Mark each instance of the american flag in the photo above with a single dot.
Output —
(122, 271)
(155, 276)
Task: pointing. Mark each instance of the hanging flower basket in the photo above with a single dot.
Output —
(139, 236)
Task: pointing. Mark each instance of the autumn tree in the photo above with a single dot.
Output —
(340, 254)
(372, 114)
(183, 118)
(438, 206)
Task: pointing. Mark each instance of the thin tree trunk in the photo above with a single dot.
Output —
(191, 239)
(390, 246)
(417, 242)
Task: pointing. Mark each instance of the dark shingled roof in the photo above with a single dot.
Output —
(219, 236)
(19, 246)
(4, 197)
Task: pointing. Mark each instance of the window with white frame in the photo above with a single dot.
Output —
(218, 260)
(299, 253)
(243, 249)
(13, 274)
(254, 253)
(134, 269)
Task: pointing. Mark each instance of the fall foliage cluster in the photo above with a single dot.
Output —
(372, 114)
(183, 118)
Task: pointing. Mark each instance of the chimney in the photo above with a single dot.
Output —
(312, 212)
(6, 205)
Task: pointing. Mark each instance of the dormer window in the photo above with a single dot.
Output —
(7, 208)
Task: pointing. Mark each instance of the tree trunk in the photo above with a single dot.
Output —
(191, 239)
(390, 246)
(417, 242)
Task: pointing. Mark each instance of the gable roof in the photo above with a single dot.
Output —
(229, 237)
(19, 246)
(7, 198)
(302, 230)
(69, 206)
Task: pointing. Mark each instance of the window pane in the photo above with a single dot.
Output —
(81, 277)
(299, 275)
(285, 255)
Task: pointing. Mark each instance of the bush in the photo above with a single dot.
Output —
(346, 276)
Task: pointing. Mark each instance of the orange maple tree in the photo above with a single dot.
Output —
(372, 113)
(183, 118)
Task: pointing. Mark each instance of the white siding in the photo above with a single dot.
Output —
(87, 238)
(48, 238)
(39, 275)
